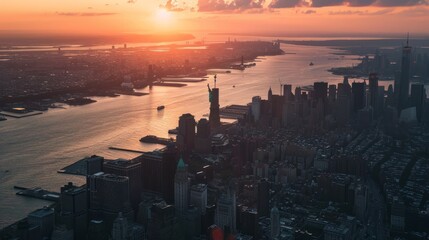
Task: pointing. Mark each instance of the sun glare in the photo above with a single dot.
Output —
(163, 16)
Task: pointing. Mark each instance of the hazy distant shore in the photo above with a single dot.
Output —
(12, 40)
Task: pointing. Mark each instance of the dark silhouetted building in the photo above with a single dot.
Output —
(198, 197)
(130, 169)
(332, 92)
(225, 216)
(358, 94)
(373, 90)
(247, 221)
(275, 222)
(417, 99)
(97, 230)
(186, 133)
(181, 188)
(192, 222)
(256, 108)
(94, 164)
(159, 168)
(320, 90)
(263, 198)
(203, 139)
(287, 92)
(109, 195)
(44, 218)
(404, 81)
(163, 223)
(214, 117)
(74, 209)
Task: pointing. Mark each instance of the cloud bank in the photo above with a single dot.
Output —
(243, 5)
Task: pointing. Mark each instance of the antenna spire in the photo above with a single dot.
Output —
(408, 39)
(215, 77)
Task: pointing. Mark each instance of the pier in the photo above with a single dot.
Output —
(126, 150)
(170, 84)
(156, 140)
(234, 112)
(182, 80)
(38, 193)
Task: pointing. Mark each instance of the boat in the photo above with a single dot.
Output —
(2, 118)
(228, 71)
(311, 64)
(159, 108)
(233, 86)
(238, 67)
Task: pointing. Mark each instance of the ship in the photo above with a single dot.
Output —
(159, 108)
(156, 140)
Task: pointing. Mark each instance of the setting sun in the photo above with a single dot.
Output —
(163, 16)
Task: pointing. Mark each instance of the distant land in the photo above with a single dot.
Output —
(13, 39)
(364, 46)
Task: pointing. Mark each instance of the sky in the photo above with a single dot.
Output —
(261, 17)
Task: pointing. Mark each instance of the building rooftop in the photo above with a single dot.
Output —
(122, 163)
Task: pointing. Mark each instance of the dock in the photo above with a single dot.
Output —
(165, 84)
(21, 115)
(173, 131)
(38, 193)
(156, 140)
(180, 80)
(78, 168)
(126, 150)
(234, 111)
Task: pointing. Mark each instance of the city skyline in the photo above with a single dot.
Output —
(214, 120)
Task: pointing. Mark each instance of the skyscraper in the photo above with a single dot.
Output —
(320, 90)
(373, 90)
(417, 98)
(109, 195)
(263, 197)
(74, 209)
(45, 219)
(163, 223)
(332, 92)
(287, 92)
(344, 88)
(275, 222)
(358, 96)
(186, 133)
(225, 216)
(132, 170)
(159, 168)
(256, 108)
(199, 197)
(214, 117)
(94, 164)
(181, 188)
(404, 83)
(120, 228)
(203, 140)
